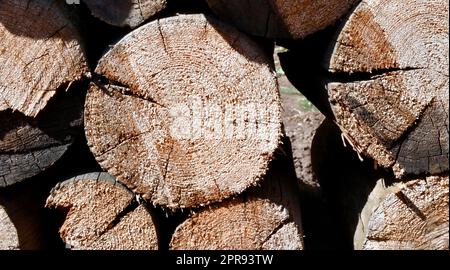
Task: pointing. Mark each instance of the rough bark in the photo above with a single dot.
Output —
(29, 146)
(390, 95)
(102, 214)
(265, 217)
(40, 52)
(188, 119)
(125, 12)
(281, 18)
(411, 215)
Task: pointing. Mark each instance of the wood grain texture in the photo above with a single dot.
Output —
(390, 97)
(372, 209)
(125, 12)
(9, 239)
(281, 18)
(406, 216)
(29, 146)
(40, 52)
(188, 119)
(265, 217)
(102, 215)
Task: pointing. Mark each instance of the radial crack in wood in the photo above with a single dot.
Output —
(40, 51)
(281, 18)
(125, 12)
(397, 117)
(194, 116)
(265, 217)
(372, 209)
(406, 216)
(102, 214)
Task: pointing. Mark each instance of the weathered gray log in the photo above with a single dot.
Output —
(40, 53)
(191, 118)
(125, 12)
(265, 217)
(281, 18)
(29, 146)
(102, 214)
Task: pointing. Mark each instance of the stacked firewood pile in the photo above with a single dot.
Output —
(156, 124)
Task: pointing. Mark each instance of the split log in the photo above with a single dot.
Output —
(102, 214)
(40, 53)
(130, 13)
(265, 217)
(390, 95)
(190, 118)
(29, 146)
(372, 209)
(281, 18)
(406, 216)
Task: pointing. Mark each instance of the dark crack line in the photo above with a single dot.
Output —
(57, 31)
(166, 166)
(277, 229)
(123, 142)
(163, 38)
(349, 77)
(403, 198)
(103, 82)
(119, 217)
(35, 59)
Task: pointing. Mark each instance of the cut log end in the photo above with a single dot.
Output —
(130, 13)
(239, 225)
(265, 217)
(40, 52)
(102, 214)
(281, 18)
(185, 128)
(406, 216)
(391, 103)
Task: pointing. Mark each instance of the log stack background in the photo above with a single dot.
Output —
(171, 124)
